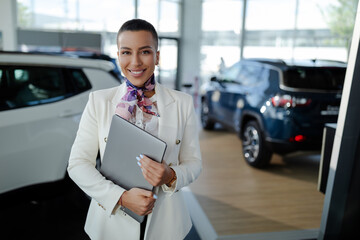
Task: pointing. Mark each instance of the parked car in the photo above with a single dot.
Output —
(275, 106)
(41, 101)
(81, 53)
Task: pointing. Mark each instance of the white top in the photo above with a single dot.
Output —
(147, 121)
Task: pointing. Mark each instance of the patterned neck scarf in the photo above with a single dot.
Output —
(135, 96)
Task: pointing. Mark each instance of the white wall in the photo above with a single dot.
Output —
(8, 25)
(189, 64)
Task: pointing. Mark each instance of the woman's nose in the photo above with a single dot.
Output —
(136, 60)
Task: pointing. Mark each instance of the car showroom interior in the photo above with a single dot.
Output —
(275, 93)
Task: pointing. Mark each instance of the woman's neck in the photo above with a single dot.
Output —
(149, 94)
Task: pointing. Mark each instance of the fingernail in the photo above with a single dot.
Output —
(141, 156)
(137, 158)
(139, 164)
(154, 196)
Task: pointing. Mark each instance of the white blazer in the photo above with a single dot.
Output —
(170, 218)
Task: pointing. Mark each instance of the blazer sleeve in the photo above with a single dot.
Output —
(82, 162)
(190, 163)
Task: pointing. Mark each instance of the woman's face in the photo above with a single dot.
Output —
(137, 56)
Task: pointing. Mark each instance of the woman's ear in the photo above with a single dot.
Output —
(157, 58)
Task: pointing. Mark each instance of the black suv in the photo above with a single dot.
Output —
(274, 106)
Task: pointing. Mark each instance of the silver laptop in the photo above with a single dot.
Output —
(125, 142)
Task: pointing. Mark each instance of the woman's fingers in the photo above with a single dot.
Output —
(148, 163)
(155, 173)
(139, 200)
(153, 177)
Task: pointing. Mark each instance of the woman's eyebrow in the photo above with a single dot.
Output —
(140, 48)
(144, 47)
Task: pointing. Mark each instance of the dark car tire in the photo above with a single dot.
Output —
(255, 152)
(206, 122)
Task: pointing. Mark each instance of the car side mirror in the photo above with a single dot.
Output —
(213, 79)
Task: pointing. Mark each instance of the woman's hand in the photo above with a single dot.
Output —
(138, 200)
(154, 172)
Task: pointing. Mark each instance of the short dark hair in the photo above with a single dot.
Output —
(138, 25)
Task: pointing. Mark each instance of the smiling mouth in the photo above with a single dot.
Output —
(137, 71)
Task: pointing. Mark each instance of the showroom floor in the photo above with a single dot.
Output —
(230, 200)
(57, 216)
(239, 200)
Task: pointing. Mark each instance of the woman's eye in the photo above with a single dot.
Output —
(145, 52)
(125, 53)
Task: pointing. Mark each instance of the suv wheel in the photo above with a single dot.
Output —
(206, 122)
(255, 152)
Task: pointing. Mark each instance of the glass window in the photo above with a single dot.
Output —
(221, 26)
(80, 80)
(270, 15)
(297, 29)
(1, 73)
(163, 14)
(38, 84)
(21, 75)
(231, 74)
(168, 62)
(3, 90)
(169, 17)
(88, 15)
(106, 16)
(315, 78)
(315, 9)
(148, 10)
(30, 86)
(269, 33)
(85, 15)
(250, 74)
(222, 15)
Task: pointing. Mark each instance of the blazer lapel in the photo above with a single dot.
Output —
(112, 102)
(119, 93)
(168, 120)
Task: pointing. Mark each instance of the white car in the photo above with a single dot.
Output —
(41, 101)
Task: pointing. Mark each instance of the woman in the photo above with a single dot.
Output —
(166, 113)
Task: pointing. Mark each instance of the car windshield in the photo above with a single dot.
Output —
(320, 78)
